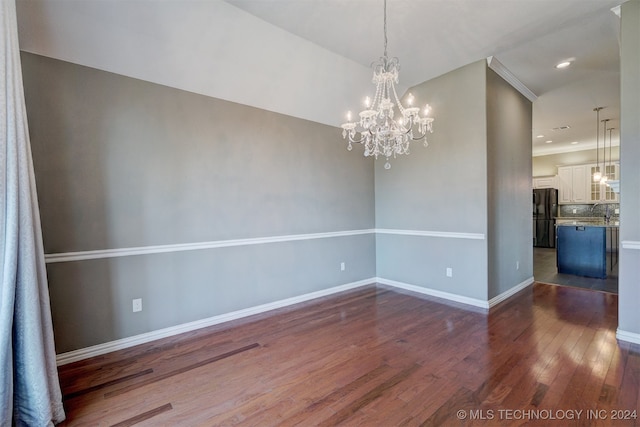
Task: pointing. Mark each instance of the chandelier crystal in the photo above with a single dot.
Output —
(377, 128)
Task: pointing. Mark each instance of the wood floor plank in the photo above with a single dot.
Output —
(432, 394)
(144, 416)
(179, 371)
(461, 400)
(371, 357)
(106, 384)
(368, 398)
(341, 397)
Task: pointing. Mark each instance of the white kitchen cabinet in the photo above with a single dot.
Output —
(545, 182)
(572, 184)
(602, 193)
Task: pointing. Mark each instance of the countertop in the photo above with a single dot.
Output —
(587, 222)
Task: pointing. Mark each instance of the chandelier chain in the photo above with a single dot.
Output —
(385, 28)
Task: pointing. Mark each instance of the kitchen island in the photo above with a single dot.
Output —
(582, 246)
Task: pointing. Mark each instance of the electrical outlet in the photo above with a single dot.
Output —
(575, 211)
(137, 305)
(517, 265)
(342, 266)
(449, 272)
(617, 211)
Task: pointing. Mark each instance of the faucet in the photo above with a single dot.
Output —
(594, 206)
(607, 215)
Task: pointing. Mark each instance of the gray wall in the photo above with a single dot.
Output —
(125, 163)
(439, 188)
(475, 177)
(629, 274)
(509, 123)
(548, 165)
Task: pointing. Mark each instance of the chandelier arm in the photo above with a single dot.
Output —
(409, 129)
(359, 141)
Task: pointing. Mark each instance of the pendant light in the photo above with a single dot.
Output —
(610, 145)
(610, 168)
(604, 177)
(613, 182)
(597, 175)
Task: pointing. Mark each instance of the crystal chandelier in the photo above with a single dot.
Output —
(378, 130)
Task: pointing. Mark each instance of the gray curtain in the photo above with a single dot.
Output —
(29, 387)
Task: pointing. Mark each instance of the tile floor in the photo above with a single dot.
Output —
(545, 270)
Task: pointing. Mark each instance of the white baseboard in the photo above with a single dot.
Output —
(458, 298)
(505, 295)
(434, 293)
(97, 350)
(631, 337)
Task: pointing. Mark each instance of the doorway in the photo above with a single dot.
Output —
(545, 271)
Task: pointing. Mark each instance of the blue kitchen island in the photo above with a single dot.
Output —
(582, 247)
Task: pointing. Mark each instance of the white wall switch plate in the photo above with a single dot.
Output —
(449, 272)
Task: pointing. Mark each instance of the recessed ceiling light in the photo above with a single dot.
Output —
(563, 64)
(548, 141)
(540, 136)
(574, 142)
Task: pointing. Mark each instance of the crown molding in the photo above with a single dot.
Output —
(504, 72)
(616, 11)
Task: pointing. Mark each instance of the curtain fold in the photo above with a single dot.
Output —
(29, 387)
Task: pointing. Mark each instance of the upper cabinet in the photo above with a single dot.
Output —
(545, 182)
(576, 185)
(572, 182)
(602, 193)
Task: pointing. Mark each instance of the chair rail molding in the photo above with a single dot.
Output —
(146, 250)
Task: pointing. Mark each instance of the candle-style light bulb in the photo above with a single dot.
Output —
(427, 109)
(367, 102)
(348, 116)
(410, 100)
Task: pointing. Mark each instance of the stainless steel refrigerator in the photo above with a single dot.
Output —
(545, 210)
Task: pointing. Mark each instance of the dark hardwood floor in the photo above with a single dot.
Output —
(376, 357)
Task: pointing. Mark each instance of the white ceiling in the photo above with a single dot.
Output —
(529, 37)
(310, 58)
